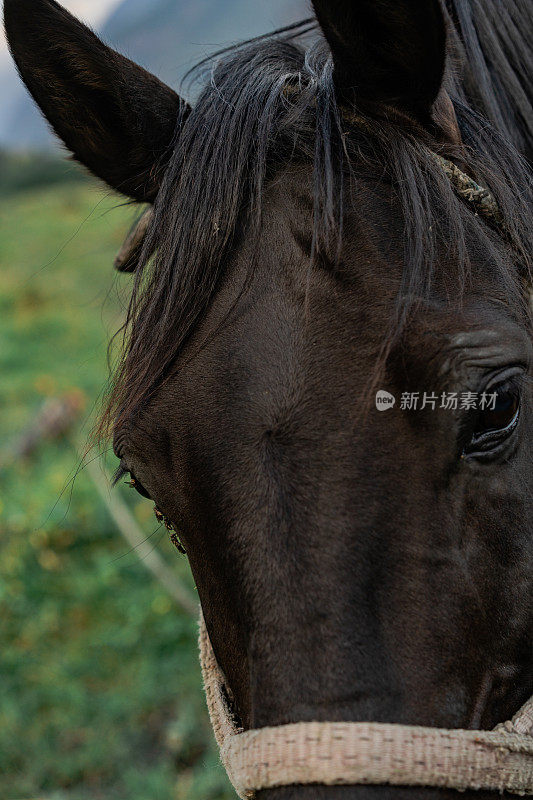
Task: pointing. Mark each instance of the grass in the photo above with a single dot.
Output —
(20, 172)
(100, 692)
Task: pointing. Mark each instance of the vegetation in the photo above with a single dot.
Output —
(100, 692)
(20, 172)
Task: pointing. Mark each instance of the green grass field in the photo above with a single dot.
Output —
(100, 693)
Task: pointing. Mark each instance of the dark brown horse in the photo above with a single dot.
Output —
(352, 564)
(491, 46)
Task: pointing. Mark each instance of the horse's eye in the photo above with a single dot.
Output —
(133, 483)
(501, 412)
(139, 488)
(497, 418)
(137, 485)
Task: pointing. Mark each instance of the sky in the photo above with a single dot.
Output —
(91, 11)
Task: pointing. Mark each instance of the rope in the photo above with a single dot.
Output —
(347, 753)
(481, 199)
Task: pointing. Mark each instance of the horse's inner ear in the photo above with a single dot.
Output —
(116, 118)
(386, 52)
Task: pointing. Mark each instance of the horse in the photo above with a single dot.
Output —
(317, 320)
(490, 43)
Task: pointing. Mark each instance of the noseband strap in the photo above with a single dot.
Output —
(348, 753)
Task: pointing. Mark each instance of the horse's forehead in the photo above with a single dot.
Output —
(280, 319)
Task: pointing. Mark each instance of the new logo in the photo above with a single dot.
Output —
(384, 400)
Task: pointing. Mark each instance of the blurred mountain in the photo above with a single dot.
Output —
(165, 36)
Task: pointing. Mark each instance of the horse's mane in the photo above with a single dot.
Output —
(492, 44)
(266, 105)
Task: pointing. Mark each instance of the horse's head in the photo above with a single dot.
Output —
(313, 261)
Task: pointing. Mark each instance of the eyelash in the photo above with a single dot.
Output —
(120, 473)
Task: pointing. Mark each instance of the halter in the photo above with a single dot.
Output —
(351, 753)
(348, 753)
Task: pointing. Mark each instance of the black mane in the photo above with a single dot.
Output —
(268, 104)
(492, 43)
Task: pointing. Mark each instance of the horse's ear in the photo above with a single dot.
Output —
(116, 118)
(387, 51)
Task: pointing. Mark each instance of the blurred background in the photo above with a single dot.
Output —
(100, 691)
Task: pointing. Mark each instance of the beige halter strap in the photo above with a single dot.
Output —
(344, 753)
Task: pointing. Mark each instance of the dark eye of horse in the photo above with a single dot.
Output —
(499, 416)
(135, 484)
